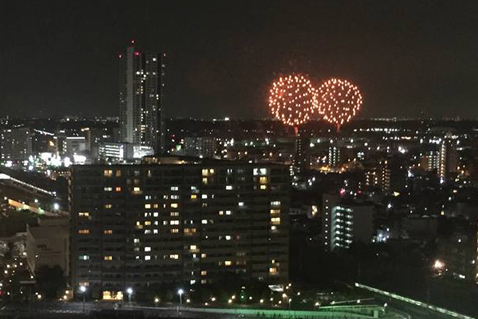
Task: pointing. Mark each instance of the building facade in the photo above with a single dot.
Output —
(141, 98)
(345, 222)
(48, 244)
(16, 144)
(188, 223)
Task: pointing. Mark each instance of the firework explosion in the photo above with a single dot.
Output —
(339, 101)
(293, 100)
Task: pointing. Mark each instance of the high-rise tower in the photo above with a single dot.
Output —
(141, 98)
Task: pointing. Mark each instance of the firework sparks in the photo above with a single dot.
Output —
(339, 101)
(293, 100)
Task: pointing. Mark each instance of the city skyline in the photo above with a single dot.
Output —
(408, 58)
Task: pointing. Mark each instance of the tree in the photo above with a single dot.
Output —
(50, 281)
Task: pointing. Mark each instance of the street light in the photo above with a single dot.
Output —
(180, 293)
(438, 265)
(83, 292)
(129, 291)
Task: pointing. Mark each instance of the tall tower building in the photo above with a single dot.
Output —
(141, 98)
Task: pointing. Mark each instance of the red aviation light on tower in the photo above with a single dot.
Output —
(293, 100)
(339, 101)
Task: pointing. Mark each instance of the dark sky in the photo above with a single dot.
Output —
(60, 57)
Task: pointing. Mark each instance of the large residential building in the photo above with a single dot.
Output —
(345, 222)
(141, 98)
(177, 221)
(16, 144)
(204, 146)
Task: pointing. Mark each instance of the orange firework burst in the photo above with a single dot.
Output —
(339, 101)
(293, 100)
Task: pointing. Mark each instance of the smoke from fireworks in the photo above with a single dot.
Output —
(293, 100)
(339, 101)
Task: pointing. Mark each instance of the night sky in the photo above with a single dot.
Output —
(60, 57)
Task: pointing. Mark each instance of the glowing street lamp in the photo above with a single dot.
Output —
(180, 293)
(438, 265)
(129, 291)
(83, 292)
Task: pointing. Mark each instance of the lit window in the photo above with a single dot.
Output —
(228, 263)
(174, 214)
(155, 214)
(108, 206)
(147, 231)
(108, 232)
(228, 237)
(203, 273)
(263, 180)
(108, 257)
(147, 248)
(147, 206)
(147, 257)
(175, 256)
(194, 196)
(174, 188)
(136, 240)
(275, 220)
(118, 173)
(228, 212)
(155, 231)
(84, 231)
(108, 173)
(204, 196)
(228, 187)
(240, 204)
(275, 211)
(174, 205)
(203, 255)
(272, 270)
(118, 189)
(259, 171)
(221, 212)
(275, 203)
(137, 189)
(174, 230)
(147, 223)
(204, 221)
(84, 257)
(108, 189)
(174, 196)
(263, 187)
(174, 222)
(193, 247)
(84, 214)
(204, 180)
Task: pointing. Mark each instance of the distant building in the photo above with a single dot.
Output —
(204, 147)
(448, 159)
(345, 222)
(141, 98)
(184, 222)
(73, 145)
(334, 158)
(379, 176)
(48, 244)
(301, 160)
(430, 161)
(119, 152)
(16, 144)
